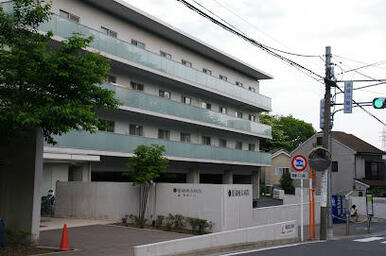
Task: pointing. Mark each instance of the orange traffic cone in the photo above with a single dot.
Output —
(64, 246)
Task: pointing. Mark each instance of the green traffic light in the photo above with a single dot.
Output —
(379, 103)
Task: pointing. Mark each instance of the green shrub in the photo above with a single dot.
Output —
(179, 221)
(139, 222)
(169, 221)
(200, 226)
(159, 221)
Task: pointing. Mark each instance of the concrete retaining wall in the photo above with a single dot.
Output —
(227, 206)
(271, 232)
(379, 206)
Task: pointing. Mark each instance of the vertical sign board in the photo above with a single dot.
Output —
(369, 205)
(347, 106)
(299, 164)
(321, 118)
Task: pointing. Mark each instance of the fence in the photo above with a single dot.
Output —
(379, 206)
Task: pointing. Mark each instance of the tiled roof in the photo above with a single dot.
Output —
(355, 143)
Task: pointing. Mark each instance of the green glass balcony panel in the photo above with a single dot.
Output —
(113, 142)
(65, 28)
(132, 98)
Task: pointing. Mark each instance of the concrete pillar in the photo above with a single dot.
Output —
(193, 176)
(256, 183)
(21, 175)
(227, 177)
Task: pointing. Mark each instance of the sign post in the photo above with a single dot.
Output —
(369, 210)
(299, 164)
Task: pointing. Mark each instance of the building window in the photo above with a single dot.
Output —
(205, 140)
(207, 71)
(69, 16)
(164, 94)
(239, 84)
(111, 79)
(223, 143)
(138, 43)
(281, 170)
(251, 147)
(136, 86)
(252, 118)
(106, 125)
(136, 130)
(334, 166)
(319, 141)
(206, 105)
(222, 77)
(252, 89)
(372, 170)
(239, 145)
(186, 100)
(109, 32)
(166, 55)
(239, 114)
(222, 110)
(186, 63)
(163, 134)
(185, 137)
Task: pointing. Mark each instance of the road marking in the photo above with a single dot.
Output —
(383, 242)
(368, 239)
(270, 248)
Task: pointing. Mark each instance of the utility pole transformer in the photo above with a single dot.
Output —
(325, 183)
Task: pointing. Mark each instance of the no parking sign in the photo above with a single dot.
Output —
(299, 164)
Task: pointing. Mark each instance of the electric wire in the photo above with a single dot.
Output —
(269, 50)
(368, 112)
(255, 27)
(305, 70)
(364, 66)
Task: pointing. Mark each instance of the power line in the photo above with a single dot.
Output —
(270, 51)
(364, 66)
(357, 61)
(258, 29)
(305, 70)
(356, 103)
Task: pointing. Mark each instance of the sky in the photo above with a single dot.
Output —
(355, 30)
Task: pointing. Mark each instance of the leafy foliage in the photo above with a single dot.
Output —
(287, 132)
(286, 183)
(147, 164)
(44, 84)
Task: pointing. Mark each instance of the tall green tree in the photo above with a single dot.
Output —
(146, 165)
(287, 132)
(51, 86)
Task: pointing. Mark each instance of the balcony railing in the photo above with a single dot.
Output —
(157, 104)
(65, 28)
(113, 142)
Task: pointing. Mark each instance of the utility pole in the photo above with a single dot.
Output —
(325, 197)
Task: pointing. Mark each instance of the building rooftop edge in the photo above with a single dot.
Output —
(133, 15)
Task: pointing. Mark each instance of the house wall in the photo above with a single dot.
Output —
(270, 177)
(379, 206)
(342, 181)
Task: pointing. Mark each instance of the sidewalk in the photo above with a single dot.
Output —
(48, 223)
(355, 229)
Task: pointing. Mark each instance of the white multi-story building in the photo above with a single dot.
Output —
(177, 91)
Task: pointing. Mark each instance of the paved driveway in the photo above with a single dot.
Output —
(102, 240)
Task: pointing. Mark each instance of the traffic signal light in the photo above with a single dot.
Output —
(379, 103)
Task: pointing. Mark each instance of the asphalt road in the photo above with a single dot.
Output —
(105, 240)
(361, 246)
